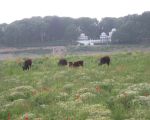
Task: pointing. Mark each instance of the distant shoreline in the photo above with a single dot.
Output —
(34, 52)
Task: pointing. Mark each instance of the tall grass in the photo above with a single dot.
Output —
(50, 92)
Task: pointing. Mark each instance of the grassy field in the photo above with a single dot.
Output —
(49, 92)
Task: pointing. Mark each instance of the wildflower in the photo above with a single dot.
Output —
(98, 89)
(125, 94)
(45, 89)
(26, 116)
(34, 93)
(146, 94)
(87, 95)
(77, 96)
(68, 118)
(9, 116)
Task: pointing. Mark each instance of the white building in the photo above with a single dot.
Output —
(83, 37)
(104, 38)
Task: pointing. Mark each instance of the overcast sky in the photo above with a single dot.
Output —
(11, 10)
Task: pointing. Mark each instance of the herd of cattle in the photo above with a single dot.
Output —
(63, 62)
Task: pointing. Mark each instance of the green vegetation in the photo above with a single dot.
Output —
(54, 30)
(49, 92)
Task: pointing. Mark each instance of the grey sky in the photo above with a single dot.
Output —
(11, 10)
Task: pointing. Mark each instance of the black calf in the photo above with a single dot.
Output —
(62, 62)
(27, 64)
(105, 60)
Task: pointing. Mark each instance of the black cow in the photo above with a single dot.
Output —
(27, 64)
(76, 64)
(104, 60)
(62, 62)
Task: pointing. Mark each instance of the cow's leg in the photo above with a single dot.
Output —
(108, 63)
(27, 67)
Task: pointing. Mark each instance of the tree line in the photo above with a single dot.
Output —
(54, 30)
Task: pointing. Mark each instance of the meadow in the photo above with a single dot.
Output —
(50, 92)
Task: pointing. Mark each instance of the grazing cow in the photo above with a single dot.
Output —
(76, 64)
(27, 64)
(105, 60)
(62, 62)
